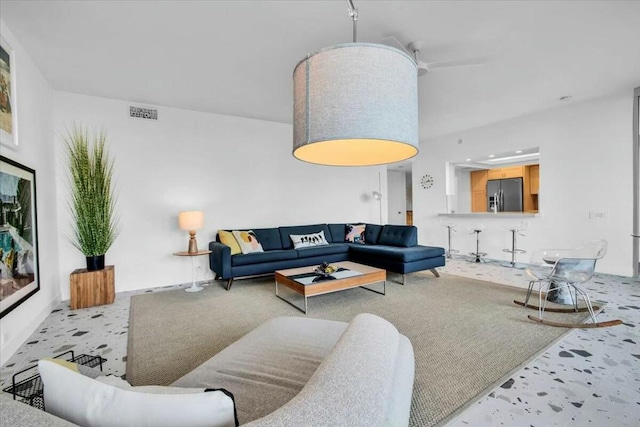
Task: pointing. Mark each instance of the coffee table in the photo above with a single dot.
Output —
(350, 275)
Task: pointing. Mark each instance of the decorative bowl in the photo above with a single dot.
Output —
(325, 269)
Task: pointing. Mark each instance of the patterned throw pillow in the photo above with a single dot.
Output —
(227, 238)
(307, 240)
(248, 241)
(355, 233)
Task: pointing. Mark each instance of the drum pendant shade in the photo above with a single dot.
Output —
(355, 104)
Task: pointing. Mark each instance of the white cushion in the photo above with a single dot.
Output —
(112, 401)
(306, 240)
(248, 241)
(154, 389)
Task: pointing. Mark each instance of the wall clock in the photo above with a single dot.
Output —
(427, 181)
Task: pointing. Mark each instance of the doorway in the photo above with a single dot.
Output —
(636, 182)
(400, 190)
(397, 201)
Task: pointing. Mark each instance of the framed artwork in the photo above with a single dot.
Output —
(8, 109)
(19, 276)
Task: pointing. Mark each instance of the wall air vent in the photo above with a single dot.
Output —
(143, 113)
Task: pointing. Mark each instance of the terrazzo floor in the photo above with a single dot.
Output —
(590, 377)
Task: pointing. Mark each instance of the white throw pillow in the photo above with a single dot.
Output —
(154, 389)
(306, 240)
(111, 401)
(248, 241)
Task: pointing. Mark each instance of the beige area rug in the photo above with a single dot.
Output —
(467, 335)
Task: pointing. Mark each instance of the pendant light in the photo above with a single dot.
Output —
(355, 104)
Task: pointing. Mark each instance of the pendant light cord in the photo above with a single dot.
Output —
(353, 13)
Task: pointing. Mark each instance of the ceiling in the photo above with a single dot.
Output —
(237, 57)
(523, 156)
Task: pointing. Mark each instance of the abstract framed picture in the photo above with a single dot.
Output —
(8, 107)
(19, 276)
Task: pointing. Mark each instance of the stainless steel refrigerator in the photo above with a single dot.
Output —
(504, 195)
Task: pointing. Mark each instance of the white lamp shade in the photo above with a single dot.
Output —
(191, 220)
(355, 104)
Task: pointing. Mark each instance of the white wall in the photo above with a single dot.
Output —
(34, 101)
(239, 171)
(462, 194)
(585, 165)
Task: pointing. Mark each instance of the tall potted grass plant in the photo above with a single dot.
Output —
(92, 202)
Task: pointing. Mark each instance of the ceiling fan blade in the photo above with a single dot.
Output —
(457, 63)
(394, 42)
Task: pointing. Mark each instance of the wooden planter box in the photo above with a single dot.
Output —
(91, 288)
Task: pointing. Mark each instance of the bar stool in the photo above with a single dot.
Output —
(515, 230)
(477, 230)
(450, 228)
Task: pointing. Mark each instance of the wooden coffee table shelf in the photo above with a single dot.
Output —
(368, 276)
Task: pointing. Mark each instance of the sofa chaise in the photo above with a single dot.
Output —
(289, 371)
(391, 247)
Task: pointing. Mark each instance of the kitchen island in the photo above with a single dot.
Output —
(503, 215)
(496, 238)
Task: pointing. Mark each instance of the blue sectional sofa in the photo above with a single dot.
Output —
(391, 247)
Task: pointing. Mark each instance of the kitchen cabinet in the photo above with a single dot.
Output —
(510, 172)
(534, 179)
(479, 190)
(479, 180)
(479, 201)
(495, 174)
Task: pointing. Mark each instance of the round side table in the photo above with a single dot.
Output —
(194, 287)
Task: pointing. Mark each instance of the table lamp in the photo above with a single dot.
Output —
(191, 221)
